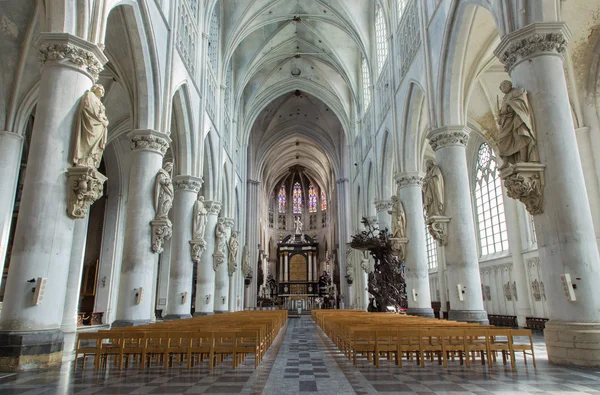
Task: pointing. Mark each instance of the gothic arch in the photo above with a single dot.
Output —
(182, 128)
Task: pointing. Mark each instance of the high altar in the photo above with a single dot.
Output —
(297, 271)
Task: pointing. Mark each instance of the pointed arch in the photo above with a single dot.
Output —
(182, 130)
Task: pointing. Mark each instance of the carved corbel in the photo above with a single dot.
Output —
(162, 230)
(399, 247)
(85, 187)
(218, 260)
(525, 182)
(198, 246)
(438, 228)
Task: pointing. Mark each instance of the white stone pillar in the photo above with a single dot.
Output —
(343, 216)
(71, 303)
(222, 275)
(179, 303)
(441, 257)
(565, 231)
(363, 292)
(162, 285)
(252, 232)
(462, 258)
(417, 270)
(138, 276)
(281, 267)
(384, 219)
(11, 146)
(310, 266)
(286, 267)
(44, 234)
(205, 273)
(592, 187)
(519, 273)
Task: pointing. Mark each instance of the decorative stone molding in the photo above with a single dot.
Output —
(533, 262)
(383, 205)
(218, 260)
(187, 183)
(446, 137)
(410, 179)
(399, 247)
(438, 228)
(548, 38)
(67, 49)
(162, 230)
(212, 207)
(228, 222)
(197, 248)
(525, 182)
(85, 187)
(149, 140)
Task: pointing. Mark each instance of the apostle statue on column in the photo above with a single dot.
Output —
(163, 192)
(220, 236)
(516, 142)
(433, 190)
(91, 129)
(233, 250)
(199, 224)
(398, 218)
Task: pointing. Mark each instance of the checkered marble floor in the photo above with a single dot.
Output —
(303, 360)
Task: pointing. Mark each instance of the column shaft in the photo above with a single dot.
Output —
(252, 232)
(205, 280)
(138, 276)
(417, 270)
(222, 275)
(180, 274)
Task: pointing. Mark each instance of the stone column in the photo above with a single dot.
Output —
(384, 219)
(138, 276)
(44, 233)
(462, 258)
(443, 283)
(71, 303)
(417, 270)
(222, 275)
(179, 304)
(592, 186)
(343, 200)
(252, 190)
(363, 292)
(564, 228)
(205, 280)
(11, 146)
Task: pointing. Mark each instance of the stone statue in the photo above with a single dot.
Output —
(163, 191)
(199, 224)
(433, 190)
(220, 237)
(398, 218)
(516, 141)
(298, 225)
(90, 130)
(233, 250)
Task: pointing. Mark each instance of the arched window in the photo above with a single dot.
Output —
(432, 261)
(297, 198)
(366, 84)
(490, 206)
(272, 201)
(312, 199)
(213, 38)
(381, 37)
(282, 199)
(400, 7)
(323, 201)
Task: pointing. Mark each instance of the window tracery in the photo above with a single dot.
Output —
(297, 198)
(312, 199)
(282, 200)
(490, 204)
(366, 79)
(381, 38)
(432, 260)
(400, 7)
(323, 201)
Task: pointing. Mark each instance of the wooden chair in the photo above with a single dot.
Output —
(521, 346)
(499, 341)
(362, 342)
(87, 344)
(386, 342)
(409, 343)
(201, 346)
(477, 343)
(432, 344)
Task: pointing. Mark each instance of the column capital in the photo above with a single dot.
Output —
(228, 222)
(187, 183)
(342, 180)
(72, 51)
(383, 205)
(212, 206)
(447, 136)
(13, 135)
(253, 182)
(411, 178)
(149, 140)
(547, 38)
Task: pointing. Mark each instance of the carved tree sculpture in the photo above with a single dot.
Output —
(386, 282)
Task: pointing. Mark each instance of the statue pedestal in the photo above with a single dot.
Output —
(399, 247)
(525, 182)
(438, 228)
(198, 247)
(162, 230)
(85, 187)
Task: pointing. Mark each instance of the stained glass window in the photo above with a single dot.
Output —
(297, 196)
(490, 205)
(381, 37)
(282, 199)
(312, 199)
(323, 201)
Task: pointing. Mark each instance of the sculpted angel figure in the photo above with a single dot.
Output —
(199, 224)
(516, 142)
(433, 190)
(398, 218)
(163, 191)
(91, 129)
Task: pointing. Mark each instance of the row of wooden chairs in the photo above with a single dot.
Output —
(187, 341)
(418, 339)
